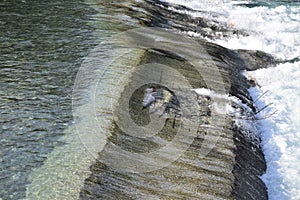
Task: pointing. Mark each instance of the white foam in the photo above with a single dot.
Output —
(196, 4)
(238, 115)
(274, 30)
(208, 92)
(280, 133)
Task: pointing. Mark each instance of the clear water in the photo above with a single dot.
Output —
(42, 44)
(273, 27)
(46, 48)
(66, 168)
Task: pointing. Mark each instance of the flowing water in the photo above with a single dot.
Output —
(55, 53)
(42, 44)
(273, 27)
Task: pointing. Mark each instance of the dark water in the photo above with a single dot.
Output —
(42, 44)
(269, 3)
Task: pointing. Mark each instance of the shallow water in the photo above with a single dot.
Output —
(42, 44)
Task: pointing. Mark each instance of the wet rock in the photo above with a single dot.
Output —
(257, 59)
(231, 169)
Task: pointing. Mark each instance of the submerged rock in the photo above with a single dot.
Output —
(220, 161)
